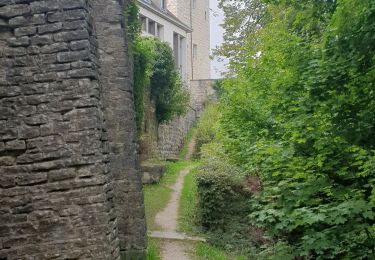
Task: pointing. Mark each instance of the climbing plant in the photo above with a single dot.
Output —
(153, 67)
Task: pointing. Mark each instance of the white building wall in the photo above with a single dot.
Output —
(201, 38)
(167, 35)
(195, 13)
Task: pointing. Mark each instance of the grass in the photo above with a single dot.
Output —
(157, 196)
(152, 250)
(187, 140)
(204, 251)
(207, 252)
(188, 203)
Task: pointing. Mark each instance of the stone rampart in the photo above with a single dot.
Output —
(69, 177)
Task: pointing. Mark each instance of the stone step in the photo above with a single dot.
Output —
(152, 172)
(174, 236)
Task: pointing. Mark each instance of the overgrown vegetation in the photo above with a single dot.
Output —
(299, 117)
(154, 72)
(153, 252)
(187, 210)
(206, 127)
(167, 91)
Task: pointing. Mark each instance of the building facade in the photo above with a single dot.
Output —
(185, 25)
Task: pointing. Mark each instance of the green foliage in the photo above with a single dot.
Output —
(133, 24)
(205, 130)
(153, 66)
(143, 62)
(207, 252)
(185, 149)
(152, 250)
(223, 203)
(219, 187)
(167, 91)
(300, 115)
(218, 87)
(187, 209)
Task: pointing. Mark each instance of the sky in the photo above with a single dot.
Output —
(217, 18)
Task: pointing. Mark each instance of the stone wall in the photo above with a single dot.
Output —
(172, 135)
(69, 182)
(165, 141)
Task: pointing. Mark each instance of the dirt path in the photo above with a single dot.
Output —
(191, 148)
(167, 219)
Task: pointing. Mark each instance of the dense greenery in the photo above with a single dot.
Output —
(143, 62)
(300, 115)
(167, 91)
(206, 127)
(153, 71)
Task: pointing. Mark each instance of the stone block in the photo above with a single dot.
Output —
(73, 4)
(36, 120)
(73, 56)
(7, 160)
(79, 45)
(44, 6)
(76, 25)
(6, 182)
(25, 31)
(76, 14)
(24, 21)
(61, 174)
(45, 77)
(25, 132)
(49, 28)
(42, 40)
(31, 179)
(71, 36)
(152, 173)
(15, 145)
(21, 41)
(12, 52)
(55, 47)
(82, 73)
(9, 11)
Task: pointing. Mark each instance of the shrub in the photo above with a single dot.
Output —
(144, 59)
(206, 128)
(167, 91)
(220, 189)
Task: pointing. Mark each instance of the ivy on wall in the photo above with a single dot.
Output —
(153, 67)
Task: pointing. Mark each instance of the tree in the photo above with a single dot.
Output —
(300, 115)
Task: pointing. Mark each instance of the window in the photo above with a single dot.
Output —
(160, 31)
(163, 4)
(151, 27)
(195, 51)
(143, 23)
(179, 53)
(176, 49)
(194, 3)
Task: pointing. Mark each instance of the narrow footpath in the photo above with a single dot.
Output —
(174, 245)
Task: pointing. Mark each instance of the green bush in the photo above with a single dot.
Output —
(300, 113)
(206, 128)
(143, 63)
(153, 67)
(220, 189)
(167, 91)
